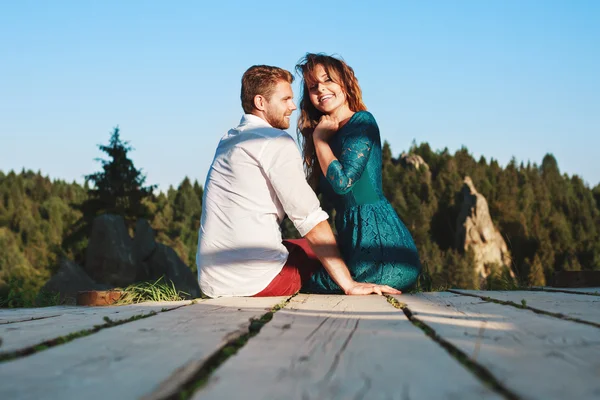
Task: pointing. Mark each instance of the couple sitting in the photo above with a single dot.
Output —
(257, 177)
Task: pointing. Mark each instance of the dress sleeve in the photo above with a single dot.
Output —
(344, 172)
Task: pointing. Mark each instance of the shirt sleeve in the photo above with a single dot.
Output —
(282, 164)
(344, 172)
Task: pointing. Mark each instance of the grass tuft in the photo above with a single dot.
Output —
(159, 290)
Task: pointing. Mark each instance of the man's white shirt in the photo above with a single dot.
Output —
(256, 177)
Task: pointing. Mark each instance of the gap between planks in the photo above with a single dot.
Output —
(533, 355)
(567, 306)
(342, 347)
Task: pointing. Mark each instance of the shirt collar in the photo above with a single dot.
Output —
(254, 121)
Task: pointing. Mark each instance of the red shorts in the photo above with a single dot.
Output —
(299, 267)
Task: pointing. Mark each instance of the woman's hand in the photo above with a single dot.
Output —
(369, 288)
(326, 128)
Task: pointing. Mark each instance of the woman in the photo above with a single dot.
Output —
(342, 152)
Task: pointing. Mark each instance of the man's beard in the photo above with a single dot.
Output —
(278, 121)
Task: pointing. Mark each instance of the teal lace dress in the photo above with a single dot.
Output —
(375, 244)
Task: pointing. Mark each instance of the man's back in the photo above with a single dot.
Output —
(240, 247)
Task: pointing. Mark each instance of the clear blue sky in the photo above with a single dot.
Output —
(503, 78)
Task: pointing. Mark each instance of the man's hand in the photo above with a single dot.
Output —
(368, 288)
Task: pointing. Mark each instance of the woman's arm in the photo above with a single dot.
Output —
(324, 154)
(323, 243)
(344, 172)
(327, 127)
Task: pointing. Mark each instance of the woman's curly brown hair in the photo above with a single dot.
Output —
(340, 73)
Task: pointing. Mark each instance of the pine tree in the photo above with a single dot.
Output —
(117, 189)
(536, 273)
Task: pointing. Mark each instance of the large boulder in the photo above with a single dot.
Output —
(476, 231)
(143, 241)
(156, 260)
(69, 280)
(143, 247)
(109, 256)
(114, 258)
(164, 261)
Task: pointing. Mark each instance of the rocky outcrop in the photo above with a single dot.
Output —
(155, 260)
(144, 246)
(114, 258)
(69, 280)
(413, 161)
(476, 231)
(164, 261)
(143, 241)
(109, 256)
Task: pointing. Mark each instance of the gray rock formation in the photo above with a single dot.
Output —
(476, 231)
(143, 247)
(164, 261)
(109, 257)
(114, 258)
(143, 242)
(156, 260)
(413, 160)
(69, 280)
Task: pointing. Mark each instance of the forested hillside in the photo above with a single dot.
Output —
(550, 221)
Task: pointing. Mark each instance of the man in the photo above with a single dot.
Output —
(255, 179)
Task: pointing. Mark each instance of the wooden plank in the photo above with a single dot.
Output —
(534, 355)
(130, 360)
(589, 291)
(342, 347)
(20, 335)
(10, 315)
(586, 308)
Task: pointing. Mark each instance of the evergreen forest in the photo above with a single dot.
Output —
(550, 221)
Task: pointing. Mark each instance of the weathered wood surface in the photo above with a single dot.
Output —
(21, 335)
(342, 347)
(586, 308)
(130, 360)
(317, 347)
(10, 315)
(592, 291)
(533, 355)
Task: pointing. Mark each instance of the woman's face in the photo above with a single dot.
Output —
(326, 95)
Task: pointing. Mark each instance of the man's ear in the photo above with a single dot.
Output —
(259, 102)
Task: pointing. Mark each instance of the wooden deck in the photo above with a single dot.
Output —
(538, 344)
